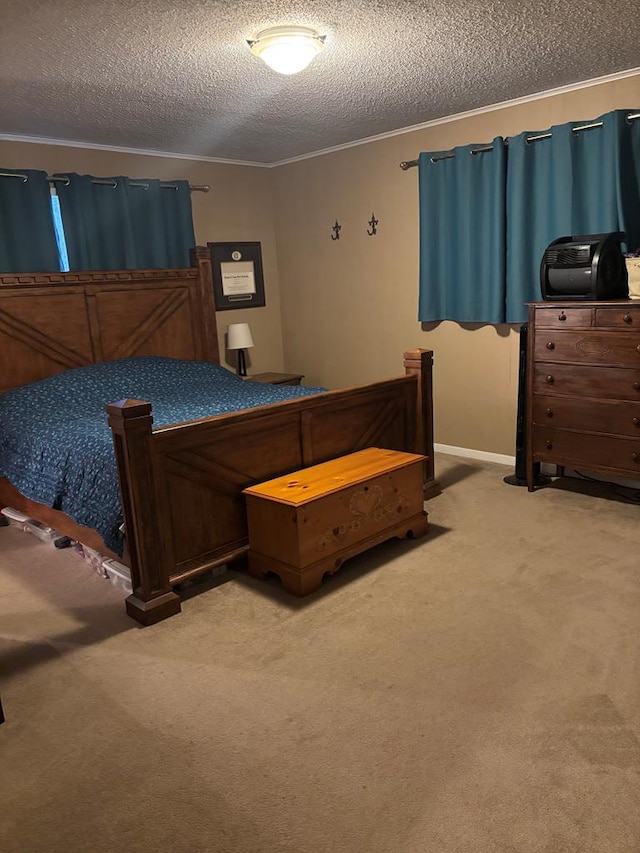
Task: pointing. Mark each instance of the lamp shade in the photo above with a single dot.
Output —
(287, 50)
(239, 336)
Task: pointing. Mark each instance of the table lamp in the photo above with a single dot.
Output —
(239, 337)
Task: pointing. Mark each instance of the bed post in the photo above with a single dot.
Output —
(419, 362)
(201, 259)
(153, 598)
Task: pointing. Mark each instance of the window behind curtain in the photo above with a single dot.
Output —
(59, 229)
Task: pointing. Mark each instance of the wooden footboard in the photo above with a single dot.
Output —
(181, 485)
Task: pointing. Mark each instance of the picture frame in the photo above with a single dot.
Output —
(238, 279)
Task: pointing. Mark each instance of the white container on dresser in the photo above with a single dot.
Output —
(583, 387)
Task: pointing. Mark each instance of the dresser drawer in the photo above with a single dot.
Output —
(619, 317)
(610, 383)
(588, 347)
(611, 416)
(577, 449)
(563, 318)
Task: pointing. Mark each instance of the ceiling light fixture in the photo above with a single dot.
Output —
(287, 50)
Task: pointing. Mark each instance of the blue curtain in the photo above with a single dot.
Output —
(462, 234)
(125, 223)
(27, 236)
(628, 176)
(567, 183)
(486, 220)
(162, 222)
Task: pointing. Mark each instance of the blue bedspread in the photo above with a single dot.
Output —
(55, 442)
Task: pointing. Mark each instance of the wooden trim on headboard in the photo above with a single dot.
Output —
(50, 322)
(201, 260)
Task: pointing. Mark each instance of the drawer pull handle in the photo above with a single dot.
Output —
(638, 348)
(635, 457)
(549, 413)
(549, 445)
(628, 318)
(551, 345)
(636, 385)
(549, 380)
(562, 316)
(636, 421)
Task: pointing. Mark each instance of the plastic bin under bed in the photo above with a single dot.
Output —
(30, 525)
(107, 568)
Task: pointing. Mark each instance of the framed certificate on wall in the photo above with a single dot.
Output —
(238, 281)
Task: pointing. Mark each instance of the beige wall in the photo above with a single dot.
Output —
(349, 306)
(238, 207)
(342, 312)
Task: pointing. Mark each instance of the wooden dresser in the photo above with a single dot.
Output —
(583, 387)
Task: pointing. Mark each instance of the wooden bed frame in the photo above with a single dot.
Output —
(181, 486)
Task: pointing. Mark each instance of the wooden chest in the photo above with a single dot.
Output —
(306, 524)
(583, 397)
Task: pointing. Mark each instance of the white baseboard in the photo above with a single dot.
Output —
(469, 453)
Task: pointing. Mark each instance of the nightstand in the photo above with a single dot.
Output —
(277, 378)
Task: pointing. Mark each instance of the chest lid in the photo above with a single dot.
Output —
(311, 483)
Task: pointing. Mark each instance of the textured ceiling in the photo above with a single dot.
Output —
(177, 75)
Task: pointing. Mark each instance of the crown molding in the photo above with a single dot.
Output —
(117, 149)
(526, 99)
(537, 96)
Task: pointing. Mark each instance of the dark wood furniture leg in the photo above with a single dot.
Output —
(152, 598)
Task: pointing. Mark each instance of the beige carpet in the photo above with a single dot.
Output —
(477, 691)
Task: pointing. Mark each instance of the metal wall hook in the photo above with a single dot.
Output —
(373, 222)
(337, 228)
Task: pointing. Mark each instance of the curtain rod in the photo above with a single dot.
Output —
(199, 188)
(409, 164)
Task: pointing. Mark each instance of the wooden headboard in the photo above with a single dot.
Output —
(50, 322)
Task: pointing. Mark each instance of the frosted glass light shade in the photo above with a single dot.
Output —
(287, 50)
(239, 336)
